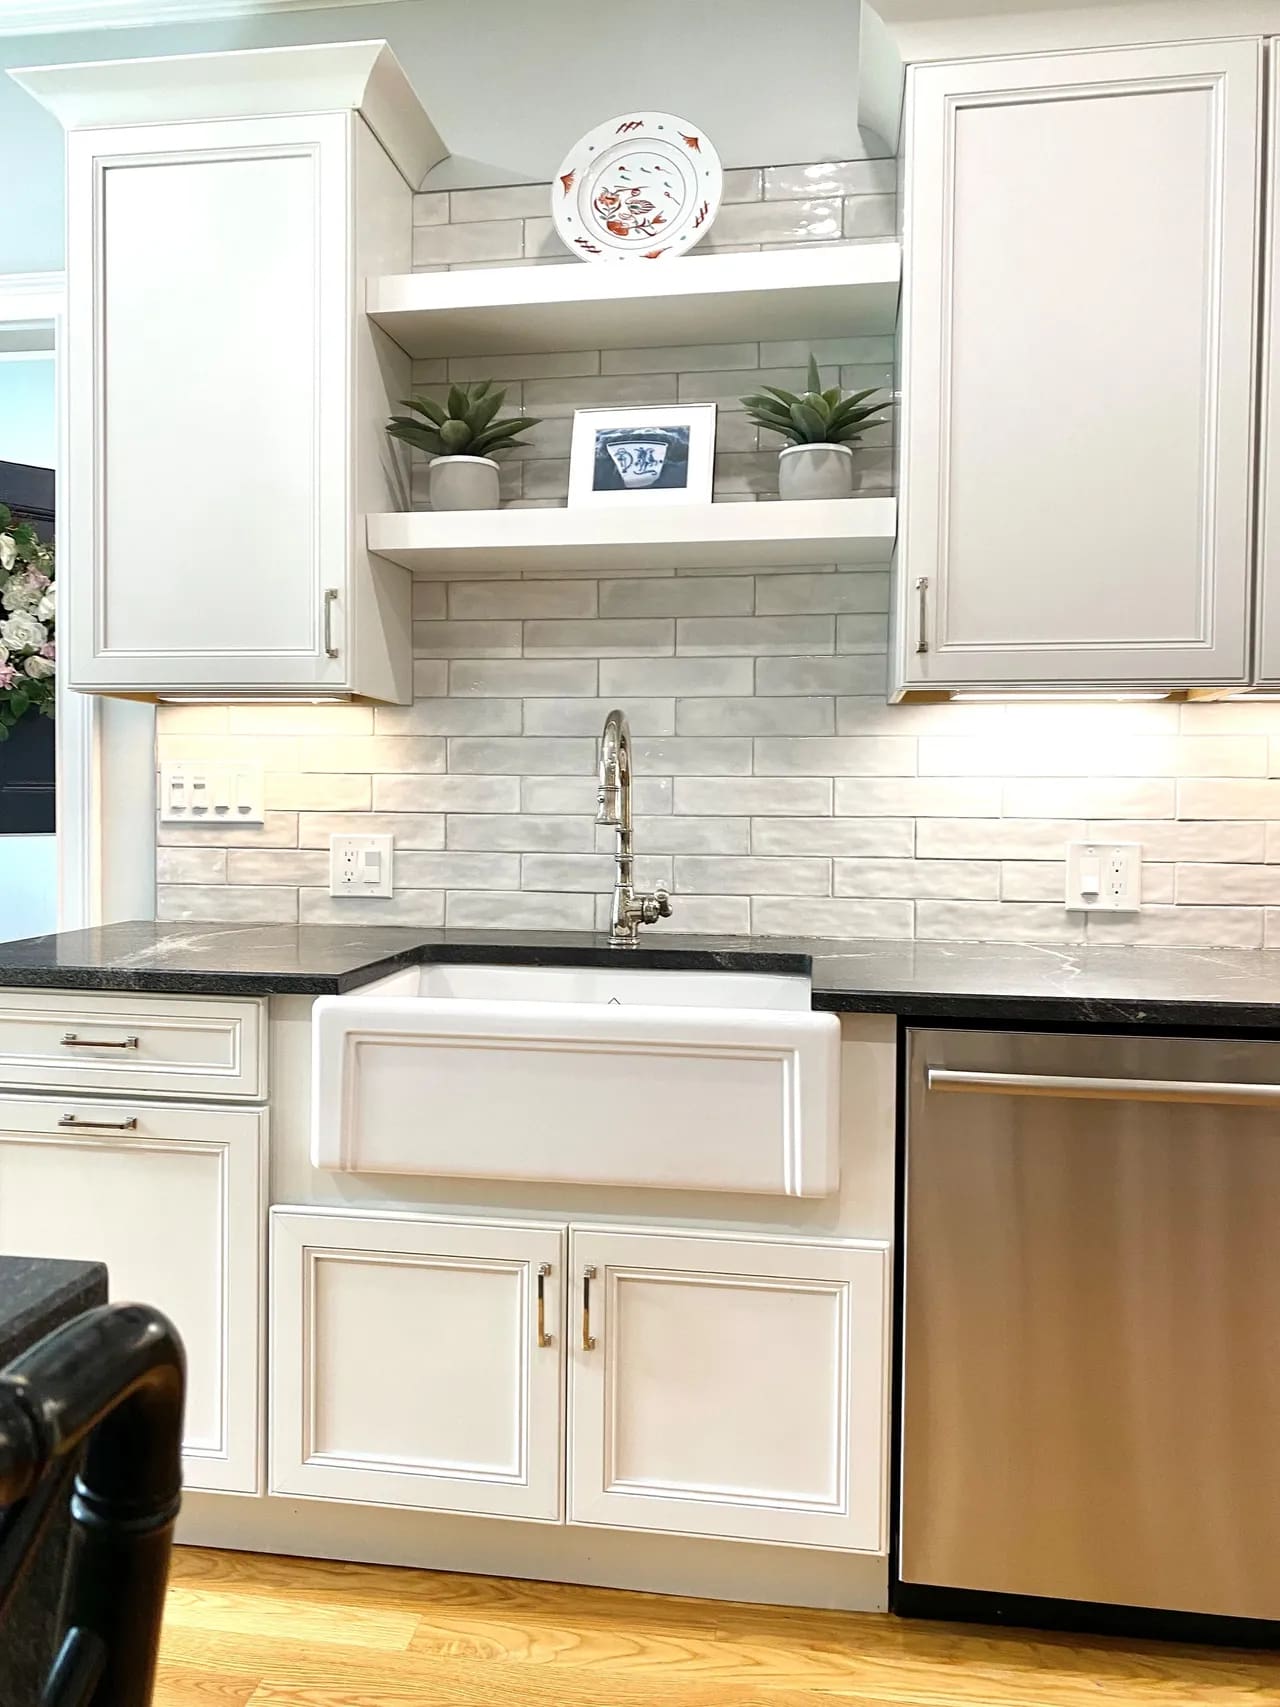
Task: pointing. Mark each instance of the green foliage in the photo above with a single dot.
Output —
(463, 425)
(817, 417)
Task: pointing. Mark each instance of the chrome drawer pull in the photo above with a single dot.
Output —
(69, 1040)
(1098, 1090)
(588, 1275)
(330, 599)
(544, 1338)
(130, 1125)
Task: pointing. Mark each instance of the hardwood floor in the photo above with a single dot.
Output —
(246, 1630)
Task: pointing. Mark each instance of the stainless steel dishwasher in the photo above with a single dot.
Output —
(1091, 1344)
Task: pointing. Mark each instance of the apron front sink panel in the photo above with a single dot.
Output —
(690, 1081)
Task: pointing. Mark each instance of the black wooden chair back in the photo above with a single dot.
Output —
(93, 1414)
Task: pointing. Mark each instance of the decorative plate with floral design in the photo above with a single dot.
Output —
(637, 188)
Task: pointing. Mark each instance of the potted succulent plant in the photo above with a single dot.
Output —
(462, 437)
(822, 427)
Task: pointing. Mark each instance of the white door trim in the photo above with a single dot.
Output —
(38, 300)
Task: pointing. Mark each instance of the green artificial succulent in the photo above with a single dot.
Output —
(463, 425)
(818, 417)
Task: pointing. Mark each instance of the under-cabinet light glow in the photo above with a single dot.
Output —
(234, 699)
(1013, 697)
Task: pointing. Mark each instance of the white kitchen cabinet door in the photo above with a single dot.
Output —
(1081, 248)
(412, 1364)
(1267, 670)
(208, 337)
(730, 1386)
(223, 381)
(172, 1199)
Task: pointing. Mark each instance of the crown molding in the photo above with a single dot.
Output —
(363, 76)
(49, 17)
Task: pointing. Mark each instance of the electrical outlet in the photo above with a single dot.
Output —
(1104, 877)
(360, 865)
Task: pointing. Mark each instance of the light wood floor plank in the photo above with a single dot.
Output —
(315, 1633)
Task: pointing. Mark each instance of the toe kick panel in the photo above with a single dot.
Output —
(692, 1099)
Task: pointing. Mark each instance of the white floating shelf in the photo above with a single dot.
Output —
(787, 293)
(677, 536)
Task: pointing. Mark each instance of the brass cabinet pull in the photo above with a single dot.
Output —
(130, 1125)
(922, 614)
(588, 1275)
(544, 1338)
(69, 1040)
(330, 599)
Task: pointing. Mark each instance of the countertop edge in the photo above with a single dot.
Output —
(1026, 1009)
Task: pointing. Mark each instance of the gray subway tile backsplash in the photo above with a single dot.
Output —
(775, 790)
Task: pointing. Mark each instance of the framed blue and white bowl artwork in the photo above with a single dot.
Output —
(641, 456)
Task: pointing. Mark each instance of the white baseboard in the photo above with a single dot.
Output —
(604, 1558)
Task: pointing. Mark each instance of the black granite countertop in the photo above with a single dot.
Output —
(38, 1294)
(1185, 987)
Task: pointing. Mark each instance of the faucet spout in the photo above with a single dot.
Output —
(613, 808)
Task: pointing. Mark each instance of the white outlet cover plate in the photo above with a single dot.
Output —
(1104, 877)
(361, 865)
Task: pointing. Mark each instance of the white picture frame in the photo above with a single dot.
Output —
(639, 456)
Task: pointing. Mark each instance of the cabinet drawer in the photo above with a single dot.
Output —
(171, 1198)
(133, 1044)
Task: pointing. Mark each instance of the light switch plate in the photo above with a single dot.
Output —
(361, 865)
(193, 792)
(1104, 877)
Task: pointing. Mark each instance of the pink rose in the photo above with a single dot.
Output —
(8, 675)
(48, 650)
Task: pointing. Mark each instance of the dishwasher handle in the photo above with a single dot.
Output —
(1060, 1085)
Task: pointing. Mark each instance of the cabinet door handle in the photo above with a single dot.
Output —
(69, 1040)
(922, 614)
(544, 1338)
(130, 1125)
(330, 599)
(588, 1275)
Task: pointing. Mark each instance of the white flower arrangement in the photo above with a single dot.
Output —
(27, 609)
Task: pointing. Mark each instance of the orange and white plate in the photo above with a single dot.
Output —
(637, 188)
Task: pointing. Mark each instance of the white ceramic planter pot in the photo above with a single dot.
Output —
(815, 471)
(463, 483)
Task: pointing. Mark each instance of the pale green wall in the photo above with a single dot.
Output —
(510, 84)
(28, 431)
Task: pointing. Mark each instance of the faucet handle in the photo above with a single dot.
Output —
(656, 906)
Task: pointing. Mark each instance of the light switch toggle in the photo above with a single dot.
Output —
(1104, 877)
(193, 792)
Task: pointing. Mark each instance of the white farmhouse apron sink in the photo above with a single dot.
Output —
(692, 1081)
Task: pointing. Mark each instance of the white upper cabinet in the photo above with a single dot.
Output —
(1267, 661)
(1080, 307)
(226, 392)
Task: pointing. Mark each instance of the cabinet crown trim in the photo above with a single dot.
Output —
(363, 76)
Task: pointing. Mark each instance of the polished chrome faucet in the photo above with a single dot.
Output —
(630, 910)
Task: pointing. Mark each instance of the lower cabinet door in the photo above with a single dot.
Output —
(417, 1361)
(172, 1199)
(730, 1386)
